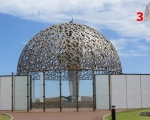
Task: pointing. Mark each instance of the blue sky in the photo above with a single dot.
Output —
(21, 20)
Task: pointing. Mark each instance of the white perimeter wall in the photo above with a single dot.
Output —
(118, 91)
(133, 91)
(5, 93)
(102, 91)
(127, 91)
(145, 84)
(19, 93)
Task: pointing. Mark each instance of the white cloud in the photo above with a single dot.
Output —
(24, 43)
(122, 47)
(145, 48)
(147, 39)
(132, 54)
(132, 51)
(119, 44)
(117, 15)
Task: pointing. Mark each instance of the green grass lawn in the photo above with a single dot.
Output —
(130, 115)
(4, 117)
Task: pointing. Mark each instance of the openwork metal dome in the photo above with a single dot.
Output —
(69, 46)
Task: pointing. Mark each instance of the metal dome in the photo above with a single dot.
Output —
(69, 46)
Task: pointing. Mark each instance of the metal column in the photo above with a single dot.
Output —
(93, 93)
(60, 94)
(12, 92)
(109, 92)
(27, 92)
(43, 91)
(77, 106)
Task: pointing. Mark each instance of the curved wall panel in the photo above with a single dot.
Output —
(133, 91)
(102, 92)
(20, 93)
(118, 88)
(5, 93)
(145, 86)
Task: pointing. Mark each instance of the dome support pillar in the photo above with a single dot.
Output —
(72, 83)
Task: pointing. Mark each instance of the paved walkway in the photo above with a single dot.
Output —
(66, 114)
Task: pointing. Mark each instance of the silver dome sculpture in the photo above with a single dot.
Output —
(69, 47)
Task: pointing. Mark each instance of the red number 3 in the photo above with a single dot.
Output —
(140, 16)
